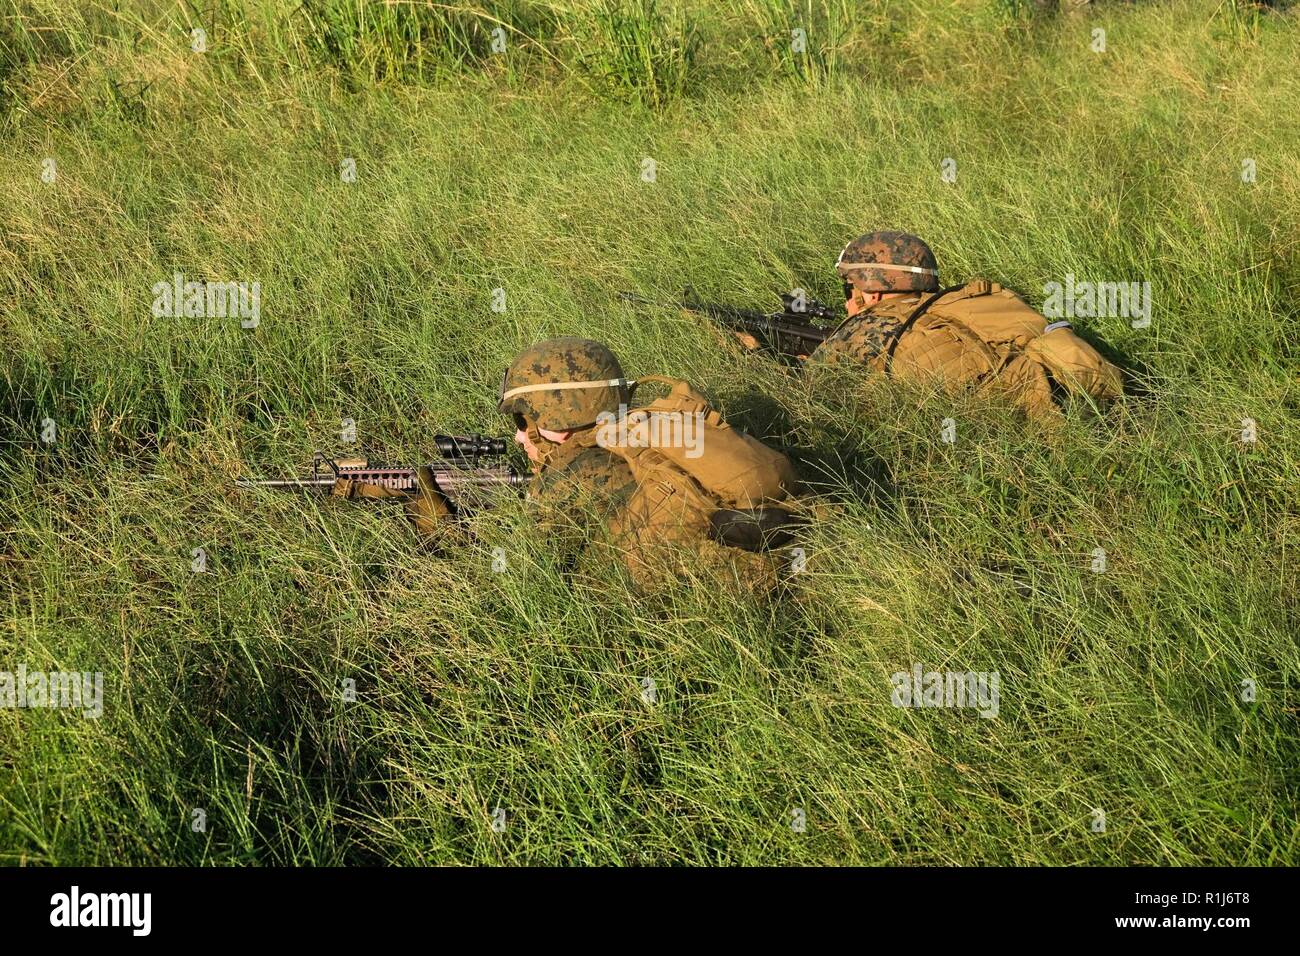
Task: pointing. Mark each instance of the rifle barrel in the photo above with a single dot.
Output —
(284, 482)
(456, 479)
(776, 325)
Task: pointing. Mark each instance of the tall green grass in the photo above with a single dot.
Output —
(650, 52)
(522, 689)
(418, 39)
(638, 49)
(805, 39)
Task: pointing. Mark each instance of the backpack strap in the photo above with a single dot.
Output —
(974, 288)
(682, 397)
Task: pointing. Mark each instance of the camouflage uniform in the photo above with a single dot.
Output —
(964, 338)
(579, 488)
(586, 497)
(859, 340)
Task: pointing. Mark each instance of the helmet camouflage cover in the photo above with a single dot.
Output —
(586, 376)
(888, 262)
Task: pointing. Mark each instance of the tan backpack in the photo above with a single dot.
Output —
(730, 467)
(681, 484)
(984, 335)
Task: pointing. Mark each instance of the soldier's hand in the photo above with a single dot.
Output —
(747, 341)
(430, 506)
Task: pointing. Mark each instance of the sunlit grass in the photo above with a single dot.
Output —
(523, 689)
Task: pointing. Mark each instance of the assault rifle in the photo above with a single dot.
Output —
(789, 331)
(466, 465)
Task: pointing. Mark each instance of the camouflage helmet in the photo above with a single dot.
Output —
(888, 262)
(586, 380)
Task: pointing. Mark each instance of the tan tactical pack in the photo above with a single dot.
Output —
(984, 335)
(677, 492)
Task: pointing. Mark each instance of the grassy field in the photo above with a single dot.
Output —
(526, 170)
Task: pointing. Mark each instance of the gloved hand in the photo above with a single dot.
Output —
(751, 344)
(429, 506)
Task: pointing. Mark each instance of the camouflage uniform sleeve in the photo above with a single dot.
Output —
(860, 340)
(574, 501)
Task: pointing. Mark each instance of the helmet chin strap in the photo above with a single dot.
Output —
(545, 447)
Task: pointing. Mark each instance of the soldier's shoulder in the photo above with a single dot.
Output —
(593, 467)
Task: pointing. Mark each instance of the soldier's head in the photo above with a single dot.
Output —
(883, 264)
(558, 387)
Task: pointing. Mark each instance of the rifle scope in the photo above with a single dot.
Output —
(469, 446)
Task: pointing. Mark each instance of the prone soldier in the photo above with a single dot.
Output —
(975, 336)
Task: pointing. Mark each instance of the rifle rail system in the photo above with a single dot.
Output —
(464, 462)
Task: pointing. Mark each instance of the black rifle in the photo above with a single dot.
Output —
(466, 464)
(789, 331)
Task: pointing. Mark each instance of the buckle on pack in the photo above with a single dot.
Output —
(755, 529)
